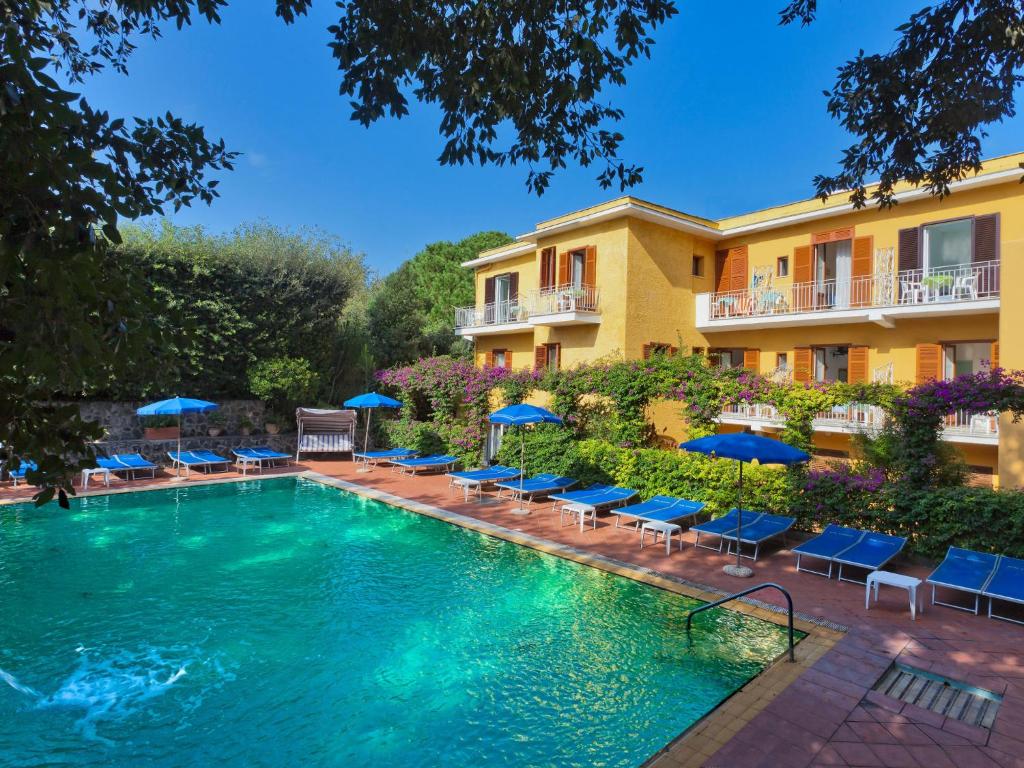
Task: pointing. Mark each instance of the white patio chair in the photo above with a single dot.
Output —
(966, 287)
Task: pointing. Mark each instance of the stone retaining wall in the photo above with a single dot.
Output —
(122, 423)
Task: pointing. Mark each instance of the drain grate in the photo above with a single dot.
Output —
(951, 698)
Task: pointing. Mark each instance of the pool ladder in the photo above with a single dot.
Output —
(744, 593)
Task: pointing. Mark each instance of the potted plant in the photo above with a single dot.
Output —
(272, 423)
(161, 427)
(940, 285)
(216, 421)
(245, 426)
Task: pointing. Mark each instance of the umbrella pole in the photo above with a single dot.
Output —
(738, 569)
(366, 441)
(522, 470)
(178, 465)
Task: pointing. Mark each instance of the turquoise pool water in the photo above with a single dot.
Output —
(282, 622)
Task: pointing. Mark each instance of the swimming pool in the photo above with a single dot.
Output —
(282, 621)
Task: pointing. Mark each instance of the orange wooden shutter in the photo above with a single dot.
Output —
(802, 364)
(861, 266)
(564, 262)
(738, 268)
(508, 359)
(803, 276)
(929, 362)
(590, 266)
(752, 360)
(722, 271)
(832, 236)
(857, 365)
(647, 351)
(547, 268)
(540, 357)
(994, 360)
(489, 359)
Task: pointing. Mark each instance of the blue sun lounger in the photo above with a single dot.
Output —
(872, 552)
(25, 467)
(371, 459)
(658, 509)
(437, 463)
(757, 533)
(569, 497)
(476, 479)
(255, 457)
(538, 485)
(720, 526)
(964, 571)
(129, 463)
(1007, 583)
(587, 506)
(826, 545)
(204, 460)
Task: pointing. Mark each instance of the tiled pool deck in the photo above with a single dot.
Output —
(819, 712)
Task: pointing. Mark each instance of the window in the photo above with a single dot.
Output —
(502, 295)
(698, 266)
(577, 267)
(552, 360)
(782, 361)
(697, 350)
(831, 363)
(782, 266)
(498, 358)
(726, 358)
(657, 348)
(966, 358)
(947, 244)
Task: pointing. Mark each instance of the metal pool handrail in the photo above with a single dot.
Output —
(745, 592)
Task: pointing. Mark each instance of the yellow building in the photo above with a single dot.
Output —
(810, 291)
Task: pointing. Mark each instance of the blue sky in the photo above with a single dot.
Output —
(728, 116)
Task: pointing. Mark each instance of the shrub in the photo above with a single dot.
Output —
(840, 495)
(418, 435)
(283, 382)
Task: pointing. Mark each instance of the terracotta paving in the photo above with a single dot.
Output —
(828, 715)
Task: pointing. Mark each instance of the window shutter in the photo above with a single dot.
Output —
(722, 272)
(508, 359)
(752, 360)
(489, 290)
(647, 352)
(909, 250)
(547, 268)
(558, 356)
(857, 365)
(590, 266)
(802, 357)
(803, 276)
(929, 362)
(513, 286)
(673, 351)
(489, 359)
(994, 359)
(860, 271)
(738, 268)
(563, 269)
(986, 237)
(540, 357)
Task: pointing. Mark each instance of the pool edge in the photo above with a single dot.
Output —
(700, 741)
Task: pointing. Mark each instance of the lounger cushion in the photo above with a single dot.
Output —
(873, 551)
(727, 523)
(830, 542)
(1008, 581)
(763, 528)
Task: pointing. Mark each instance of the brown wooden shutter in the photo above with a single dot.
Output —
(564, 263)
(802, 364)
(547, 268)
(857, 365)
(590, 266)
(994, 359)
(752, 360)
(647, 352)
(722, 271)
(738, 268)
(489, 290)
(929, 362)
(909, 251)
(513, 286)
(803, 276)
(489, 359)
(861, 266)
(986, 237)
(540, 357)
(508, 359)
(673, 351)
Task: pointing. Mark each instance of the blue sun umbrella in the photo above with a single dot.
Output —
(744, 447)
(369, 401)
(519, 416)
(176, 406)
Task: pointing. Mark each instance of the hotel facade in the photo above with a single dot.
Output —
(807, 291)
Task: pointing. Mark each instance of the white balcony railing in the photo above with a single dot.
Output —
(548, 301)
(966, 282)
(972, 424)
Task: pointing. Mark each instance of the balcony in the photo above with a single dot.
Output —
(962, 290)
(959, 427)
(564, 305)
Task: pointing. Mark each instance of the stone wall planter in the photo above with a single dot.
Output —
(162, 433)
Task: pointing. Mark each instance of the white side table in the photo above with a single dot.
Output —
(468, 486)
(909, 583)
(665, 529)
(87, 473)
